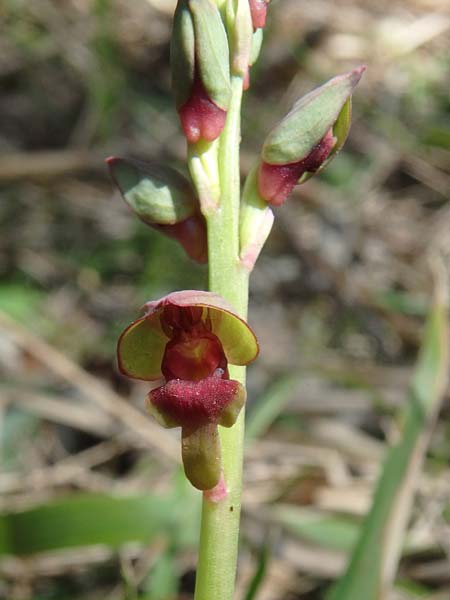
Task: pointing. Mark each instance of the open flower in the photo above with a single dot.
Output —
(188, 338)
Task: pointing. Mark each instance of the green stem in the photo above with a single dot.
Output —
(219, 534)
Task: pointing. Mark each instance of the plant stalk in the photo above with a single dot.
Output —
(218, 549)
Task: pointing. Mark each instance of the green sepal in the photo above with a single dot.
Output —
(309, 120)
(158, 195)
(182, 53)
(201, 454)
(141, 347)
(342, 127)
(211, 51)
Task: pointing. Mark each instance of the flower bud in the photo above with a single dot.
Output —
(200, 69)
(307, 138)
(163, 199)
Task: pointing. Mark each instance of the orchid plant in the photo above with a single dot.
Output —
(197, 343)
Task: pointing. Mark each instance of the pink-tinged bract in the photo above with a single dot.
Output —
(258, 10)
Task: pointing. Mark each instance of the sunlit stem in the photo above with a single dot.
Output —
(217, 559)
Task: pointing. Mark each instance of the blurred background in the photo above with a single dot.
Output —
(93, 503)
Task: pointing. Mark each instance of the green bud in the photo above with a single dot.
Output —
(322, 110)
(159, 195)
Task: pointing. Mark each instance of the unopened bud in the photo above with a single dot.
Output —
(276, 182)
(200, 69)
(307, 138)
(200, 117)
(163, 199)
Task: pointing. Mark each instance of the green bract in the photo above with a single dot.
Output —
(325, 108)
(141, 346)
(239, 24)
(157, 194)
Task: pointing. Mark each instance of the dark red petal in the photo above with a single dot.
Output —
(194, 404)
(182, 317)
(191, 234)
(193, 356)
(200, 117)
(236, 337)
(276, 182)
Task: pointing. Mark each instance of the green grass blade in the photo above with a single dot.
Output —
(89, 519)
(374, 562)
(268, 407)
(162, 582)
(260, 572)
(327, 531)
